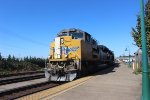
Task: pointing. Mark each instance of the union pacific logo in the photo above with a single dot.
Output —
(66, 50)
(74, 48)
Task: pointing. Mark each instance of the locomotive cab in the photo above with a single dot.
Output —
(65, 56)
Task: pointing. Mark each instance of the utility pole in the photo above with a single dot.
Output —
(145, 72)
(129, 63)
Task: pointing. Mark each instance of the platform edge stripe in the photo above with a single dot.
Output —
(65, 90)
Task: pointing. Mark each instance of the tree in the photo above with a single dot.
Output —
(9, 58)
(136, 32)
(13, 58)
(1, 57)
(26, 59)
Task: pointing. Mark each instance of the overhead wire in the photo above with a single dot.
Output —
(21, 37)
(24, 38)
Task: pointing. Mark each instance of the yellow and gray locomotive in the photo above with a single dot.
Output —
(73, 53)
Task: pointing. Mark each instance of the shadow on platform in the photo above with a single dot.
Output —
(107, 69)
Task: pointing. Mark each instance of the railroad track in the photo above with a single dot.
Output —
(20, 73)
(26, 90)
(21, 77)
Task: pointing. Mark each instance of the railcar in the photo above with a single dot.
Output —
(74, 53)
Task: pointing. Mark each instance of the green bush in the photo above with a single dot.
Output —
(14, 65)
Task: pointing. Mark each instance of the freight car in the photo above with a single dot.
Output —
(74, 53)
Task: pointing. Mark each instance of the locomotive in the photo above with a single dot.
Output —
(74, 53)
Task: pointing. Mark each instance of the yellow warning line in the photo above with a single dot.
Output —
(52, 92)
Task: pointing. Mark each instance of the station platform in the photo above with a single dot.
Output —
(114, 83)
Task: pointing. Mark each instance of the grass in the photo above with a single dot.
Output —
(137, 71)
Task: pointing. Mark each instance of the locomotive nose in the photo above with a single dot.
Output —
(66, 77)
(59, 77)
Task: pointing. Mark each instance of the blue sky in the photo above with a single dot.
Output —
(28, 26)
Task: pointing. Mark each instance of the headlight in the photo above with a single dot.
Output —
(66, 56)
(49, 56)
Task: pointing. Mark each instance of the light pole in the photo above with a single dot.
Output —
(145, 72)
(129, 65)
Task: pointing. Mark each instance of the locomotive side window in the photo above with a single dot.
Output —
(88, 39)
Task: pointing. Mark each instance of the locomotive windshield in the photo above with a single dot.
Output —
(74, 35)
(64, 34)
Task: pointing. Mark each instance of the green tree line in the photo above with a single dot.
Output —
(136, 32)
(12, 64)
